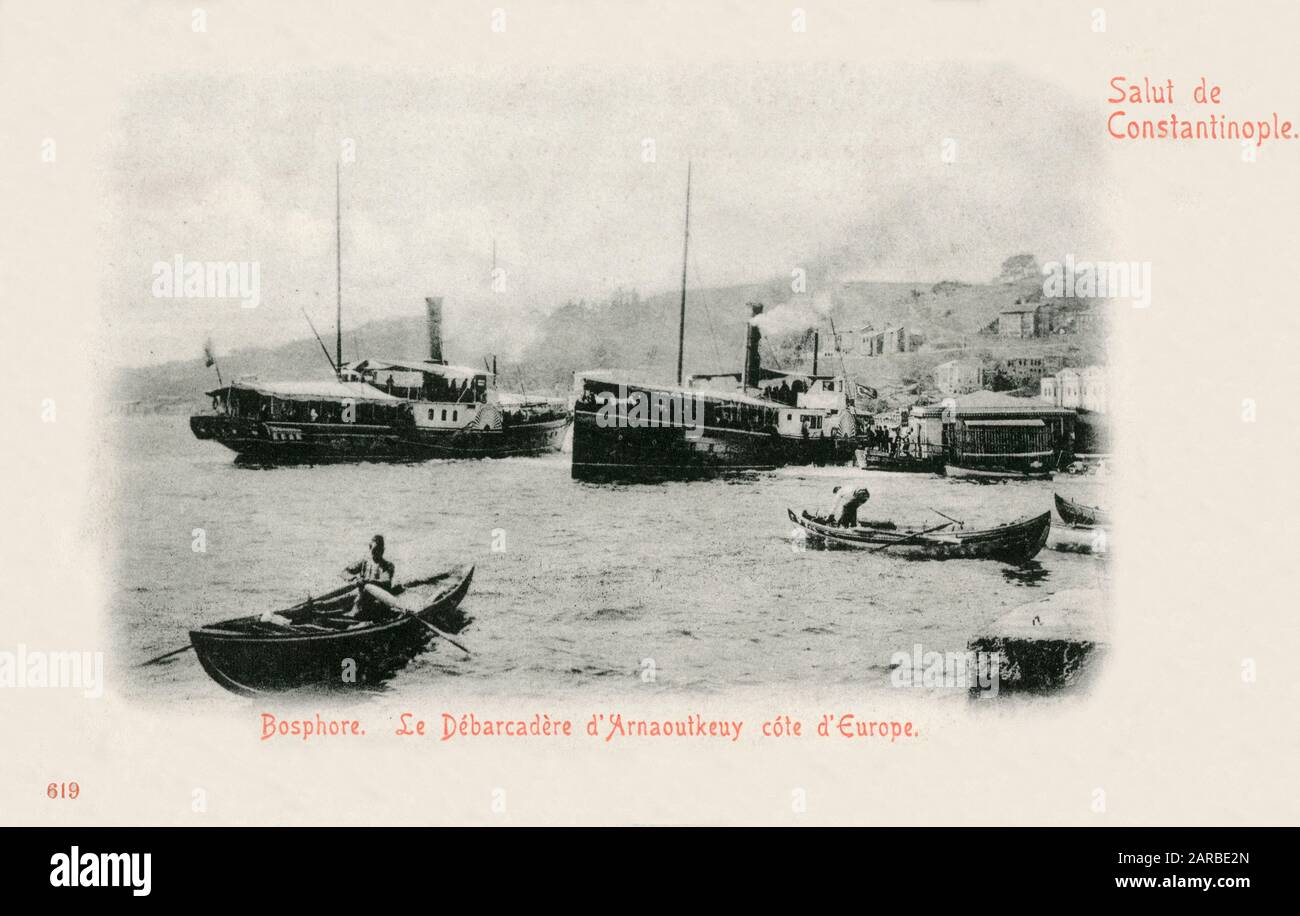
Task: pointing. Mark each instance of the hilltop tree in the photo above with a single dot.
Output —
(1019, 267)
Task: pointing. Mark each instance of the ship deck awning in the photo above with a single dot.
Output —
(765, 375)
(598, 377)
(415, 365)
(311, 391)
(1031, 424)
(789, 378)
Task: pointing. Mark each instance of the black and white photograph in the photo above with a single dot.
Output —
(708, 419)
(650, 414)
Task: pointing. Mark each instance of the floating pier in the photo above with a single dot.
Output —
(1049, 644)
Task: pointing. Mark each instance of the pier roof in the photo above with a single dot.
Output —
(991, 404)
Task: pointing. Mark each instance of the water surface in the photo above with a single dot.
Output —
(590, 581)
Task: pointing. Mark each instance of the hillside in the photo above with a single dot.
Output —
(631, 332)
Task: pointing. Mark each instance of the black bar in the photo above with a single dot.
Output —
(1010, 866)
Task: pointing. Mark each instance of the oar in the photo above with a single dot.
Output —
(165, 655)
(911, 537)
(390, 600)
(436, 632)
(336, 593)
(948, 517)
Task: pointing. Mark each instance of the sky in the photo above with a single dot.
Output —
(835, 168)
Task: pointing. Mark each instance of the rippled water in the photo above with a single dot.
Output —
(702, 577)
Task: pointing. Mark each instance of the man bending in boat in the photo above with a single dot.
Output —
(844, 511)
(371, 570)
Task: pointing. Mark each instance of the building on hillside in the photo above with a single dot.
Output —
(1091, 321)
(1020, 320)
(959, 376)
(891, 340)
(987, 427)
(844, 343)
(1076, 389)
(1020, 371)
(863, 337)
(1093, 395)
(833, 345)
(1070, 387)
(1057, 317)
(1052, 317)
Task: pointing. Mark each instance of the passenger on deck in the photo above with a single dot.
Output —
(371, 570)
(844, 511)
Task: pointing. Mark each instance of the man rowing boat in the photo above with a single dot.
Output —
(370, 570)
(844, 511)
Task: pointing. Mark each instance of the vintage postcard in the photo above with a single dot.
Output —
(648, 413)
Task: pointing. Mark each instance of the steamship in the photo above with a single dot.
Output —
(460, 412)
(380, 410)
(756, 419)
(383, 409)
(765, 419)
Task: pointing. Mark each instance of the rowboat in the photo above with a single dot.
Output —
(1015, 542)
(1078, 515)
(874, 460)
(314, 644)
(993, 473)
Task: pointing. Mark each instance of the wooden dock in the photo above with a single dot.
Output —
(1048, 644)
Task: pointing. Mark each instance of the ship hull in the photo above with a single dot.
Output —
(668, 452)
(519, 439)
(295, 442)
(292, 442)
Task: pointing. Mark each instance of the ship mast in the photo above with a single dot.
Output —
(338, 274)
(686, 244)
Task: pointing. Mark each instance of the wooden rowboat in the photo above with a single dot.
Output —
(1014, 542)
(874, 460)
(315, 645)
(994, 474)
(1078, 515)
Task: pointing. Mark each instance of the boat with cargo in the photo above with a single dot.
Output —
(1015, 542)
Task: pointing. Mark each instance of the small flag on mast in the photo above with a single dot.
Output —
(210, 359)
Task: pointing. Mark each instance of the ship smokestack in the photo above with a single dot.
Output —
(750, 373)
(433, 306)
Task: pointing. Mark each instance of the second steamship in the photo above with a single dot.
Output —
(383, 409)
(767, 419)
(755, 419)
